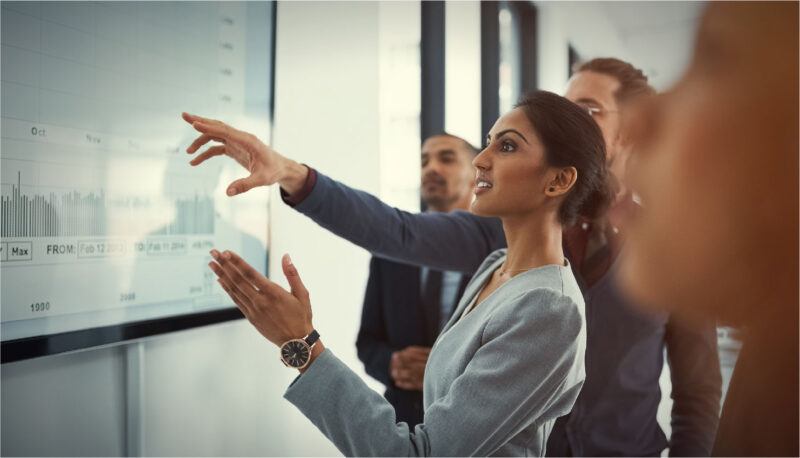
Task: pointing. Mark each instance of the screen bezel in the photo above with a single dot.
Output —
(70, 341)
(51, 344)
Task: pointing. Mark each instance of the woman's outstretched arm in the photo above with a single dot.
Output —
(457, 241)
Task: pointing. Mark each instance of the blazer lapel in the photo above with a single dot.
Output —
(474, 286)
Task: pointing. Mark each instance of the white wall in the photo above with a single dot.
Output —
(217, 391)
(583, 24)
(327, 105)
(656, 37)
(462, 54)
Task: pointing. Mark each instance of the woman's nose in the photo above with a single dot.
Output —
(481, 161)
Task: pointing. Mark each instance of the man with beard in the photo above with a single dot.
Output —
(405, 306)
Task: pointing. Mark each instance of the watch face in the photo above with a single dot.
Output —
(295, 353)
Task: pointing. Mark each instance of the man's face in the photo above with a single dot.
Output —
(447, 172)
(596, 90)
(717, 172)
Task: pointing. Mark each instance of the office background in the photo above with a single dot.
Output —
(348, 78)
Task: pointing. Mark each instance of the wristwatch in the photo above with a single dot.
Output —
(296, 353)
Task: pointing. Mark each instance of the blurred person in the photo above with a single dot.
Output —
(719, 182)
(621, 394)
(510, 360)
(406, 306)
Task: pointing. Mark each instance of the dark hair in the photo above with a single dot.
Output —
(571, 138)
(467, 145)
(632, 80)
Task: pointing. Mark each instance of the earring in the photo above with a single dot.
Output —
(552, 189)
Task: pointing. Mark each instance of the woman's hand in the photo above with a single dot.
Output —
(265, 165)
(277, 314)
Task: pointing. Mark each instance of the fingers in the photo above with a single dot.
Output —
(245, 271)
(208, 154)
(415, 354)
(413, 349)
(408, 379)
(191, 119)
(407, 372)
(240, 300)
(243, 185)
(198, 142)
(416, 359)
(298, 288)
(214, 129)
(234, 279)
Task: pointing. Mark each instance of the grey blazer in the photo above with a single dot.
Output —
(494, 384)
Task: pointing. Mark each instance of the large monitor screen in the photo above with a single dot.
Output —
(104, 222)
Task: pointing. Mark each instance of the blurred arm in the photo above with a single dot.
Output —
(696, 386)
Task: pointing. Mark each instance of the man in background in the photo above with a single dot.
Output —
(616, 412)
(406, 306)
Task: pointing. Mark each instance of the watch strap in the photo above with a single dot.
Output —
(312, 338)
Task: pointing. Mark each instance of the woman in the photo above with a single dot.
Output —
(510, 360)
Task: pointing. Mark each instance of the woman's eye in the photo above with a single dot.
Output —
(507, 147)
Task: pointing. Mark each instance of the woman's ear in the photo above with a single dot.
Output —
(562, 182)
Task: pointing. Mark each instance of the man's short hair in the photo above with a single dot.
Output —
(467, 145)
(633, 82)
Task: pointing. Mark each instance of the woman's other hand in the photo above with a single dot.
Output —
(265, 165)
(276, 313)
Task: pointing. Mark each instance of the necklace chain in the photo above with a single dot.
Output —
(505, 271)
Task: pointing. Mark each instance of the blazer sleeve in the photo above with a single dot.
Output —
(696, 385)
(528, 370)
(373, 342)
(456, 241)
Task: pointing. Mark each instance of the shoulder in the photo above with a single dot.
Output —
(545, 327)
(542, 302)
(545, 301)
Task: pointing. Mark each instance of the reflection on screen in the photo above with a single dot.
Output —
(103, 220)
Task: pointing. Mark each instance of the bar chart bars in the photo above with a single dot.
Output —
(75, 214)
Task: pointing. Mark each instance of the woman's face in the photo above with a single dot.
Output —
(717, 173)
(512, 176)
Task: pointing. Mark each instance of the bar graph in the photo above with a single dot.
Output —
(75, 214)
(101, 217)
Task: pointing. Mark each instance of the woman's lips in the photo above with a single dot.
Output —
(482, 187)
